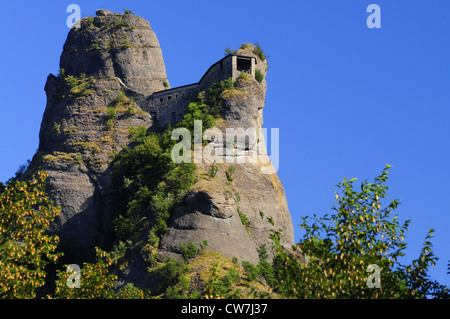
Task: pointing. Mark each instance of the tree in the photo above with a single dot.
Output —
(25, 247)
(340, 250)
(95, 282)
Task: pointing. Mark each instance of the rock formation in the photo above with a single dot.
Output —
(107, 60)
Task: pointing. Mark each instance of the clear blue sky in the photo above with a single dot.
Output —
(347, 99)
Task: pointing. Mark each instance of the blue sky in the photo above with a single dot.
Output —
(347, 99)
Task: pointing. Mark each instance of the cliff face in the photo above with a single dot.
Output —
(107, 56)
(213, 205)
(116, 45)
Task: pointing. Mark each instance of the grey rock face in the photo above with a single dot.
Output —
(116, 45)
(78, 136)
(103, 13)
(77, 140)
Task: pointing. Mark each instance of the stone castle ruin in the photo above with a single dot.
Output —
(168, 106)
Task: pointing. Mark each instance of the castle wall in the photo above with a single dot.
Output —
(219, 71)
(169, 106)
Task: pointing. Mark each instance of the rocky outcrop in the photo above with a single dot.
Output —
(86, 122)
(79, 134)
(116, 45)
(214, 205)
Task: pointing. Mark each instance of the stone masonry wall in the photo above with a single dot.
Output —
(168, 106)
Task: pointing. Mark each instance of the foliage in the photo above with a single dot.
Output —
(243, 77)
(264, 269)
(25, 247)
(124, 103)
(62, 73)
(264, 266)
(170, 273)
(221, 287)
(213, 169)
(229, 172)
(132, 292)
(188, 251)
(63, 157)
(96, 282)
(416, 274)
(72, 81)
(203, 245)
(243, 217)
(18, 174)
(120, 23)
(259, 52)
(127, 11)
(215, 92)
(197, 110)
(119, 251)
(340, 247)
(251, 271)
(137, 133)
(90, 20)
(71, 129)
(112, 113)
(95, 46)
(126, 43)
(79, 87)
(57, 127)
(259, 76)
(145, 176)
(110, 123)
(229, 51)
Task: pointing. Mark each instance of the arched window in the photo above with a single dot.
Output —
(174, 118)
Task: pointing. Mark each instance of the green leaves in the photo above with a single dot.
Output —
(26, 249)
(339, 248)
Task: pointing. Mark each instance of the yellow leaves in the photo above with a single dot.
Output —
(27, 249)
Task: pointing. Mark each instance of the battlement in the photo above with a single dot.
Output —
(168, 106)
